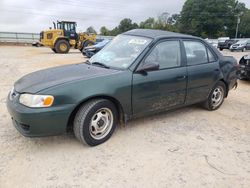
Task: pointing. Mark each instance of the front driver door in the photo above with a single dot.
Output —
(164, 88)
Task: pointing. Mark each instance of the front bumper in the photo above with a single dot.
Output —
(236, 47)
(32, 122)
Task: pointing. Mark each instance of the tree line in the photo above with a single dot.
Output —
(206, 18)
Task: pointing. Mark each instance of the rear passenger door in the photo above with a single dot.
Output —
(203, 70)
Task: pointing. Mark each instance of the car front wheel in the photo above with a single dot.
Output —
(216, 97)
(95, 121)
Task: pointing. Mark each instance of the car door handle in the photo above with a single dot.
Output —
(181, 77)
(216, 70)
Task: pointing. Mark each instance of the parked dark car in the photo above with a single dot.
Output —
(140, 72)
(227, 44)
(92, 50)
(221, 42)
(245, 67)
(241, 45)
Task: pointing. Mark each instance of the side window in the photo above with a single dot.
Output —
(167, 54)
(211, 57)
(196, 52)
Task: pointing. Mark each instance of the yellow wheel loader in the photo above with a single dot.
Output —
(64, 36)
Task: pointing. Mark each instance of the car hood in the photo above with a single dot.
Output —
(40, 80)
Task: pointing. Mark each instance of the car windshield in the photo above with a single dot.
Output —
(121, 51)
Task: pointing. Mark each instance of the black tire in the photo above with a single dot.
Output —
(81, 47)
(62, 46)
(53, 49)
(244, 49)
(209, 104)
(221, 49)
(84, 117)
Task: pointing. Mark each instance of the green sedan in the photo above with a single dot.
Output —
(141, 72)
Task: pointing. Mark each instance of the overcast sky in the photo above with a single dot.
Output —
(37, 15)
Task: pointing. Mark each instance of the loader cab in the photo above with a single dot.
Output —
(69, 29)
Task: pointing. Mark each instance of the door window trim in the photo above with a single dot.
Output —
(154, 46)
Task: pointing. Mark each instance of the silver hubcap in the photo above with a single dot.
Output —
(217, 96)
(101, 123)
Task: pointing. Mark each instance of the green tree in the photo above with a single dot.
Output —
(162, 22)
(209, 18)
(115, 31)
(244, 27)
(91, 30)
(173, 19)
(148, 23)
(126, 25)
(104, 31)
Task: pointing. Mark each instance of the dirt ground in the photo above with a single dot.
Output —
(188, 147)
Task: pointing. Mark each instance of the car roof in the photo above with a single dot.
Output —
(156, 34)
(243, 41)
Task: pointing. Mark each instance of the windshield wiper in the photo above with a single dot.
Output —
(100, 64)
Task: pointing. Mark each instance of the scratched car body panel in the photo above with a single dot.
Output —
(141, 71)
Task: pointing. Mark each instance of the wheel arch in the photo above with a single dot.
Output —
(226, 84)
(112, 99)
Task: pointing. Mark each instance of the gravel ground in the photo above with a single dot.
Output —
(188, 147)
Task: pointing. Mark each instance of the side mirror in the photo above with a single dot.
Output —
(148, 67)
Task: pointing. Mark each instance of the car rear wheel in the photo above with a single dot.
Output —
(95, 122)
(216, 97)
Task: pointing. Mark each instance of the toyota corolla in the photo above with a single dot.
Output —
(141, 72)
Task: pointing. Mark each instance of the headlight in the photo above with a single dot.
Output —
(36, 101)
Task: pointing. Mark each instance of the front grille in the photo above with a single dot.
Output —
(25, 127)
(49, 35)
